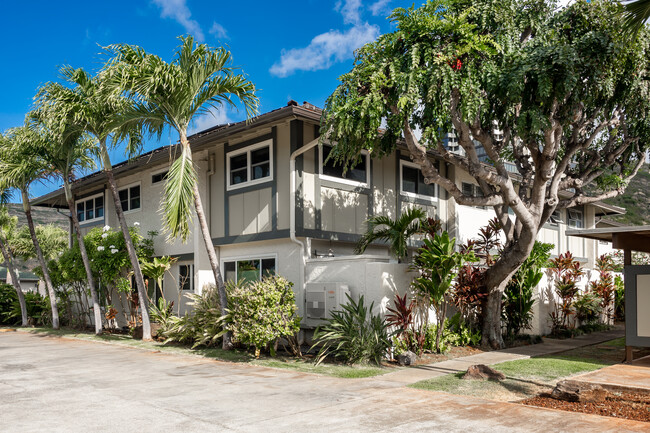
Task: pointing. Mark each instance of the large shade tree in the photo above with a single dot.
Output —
(199, 79)
(19, 169)
(67, 150)
(560, 93)
(97, 110)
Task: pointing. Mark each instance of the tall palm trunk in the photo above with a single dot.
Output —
(41, 259)
(133, 257)
(84, 257)
(209, 246)
(15, 280)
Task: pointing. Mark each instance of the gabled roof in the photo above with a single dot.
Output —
(23, 275)
(199, 141)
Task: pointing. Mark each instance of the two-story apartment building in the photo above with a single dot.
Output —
(304, 230)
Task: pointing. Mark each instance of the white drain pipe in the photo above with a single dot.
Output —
(292, 212)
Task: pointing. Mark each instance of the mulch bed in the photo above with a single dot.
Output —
(630, 406)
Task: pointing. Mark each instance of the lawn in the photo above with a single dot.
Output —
(302, 365)
(528, 377)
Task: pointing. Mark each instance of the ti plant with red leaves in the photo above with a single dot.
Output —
(605, 287)
(403, 317)
(566, 271)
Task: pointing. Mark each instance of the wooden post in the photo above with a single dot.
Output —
(627, 261)
(629, 356)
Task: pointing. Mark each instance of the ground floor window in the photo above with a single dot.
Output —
(185, 277)
(249, 270)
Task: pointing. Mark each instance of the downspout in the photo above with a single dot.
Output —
(292, 210)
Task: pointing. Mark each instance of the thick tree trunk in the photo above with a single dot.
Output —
(97, 312)
(497, 278)
(15, 280)
(212, 255)
(133, 257)
(41, 260)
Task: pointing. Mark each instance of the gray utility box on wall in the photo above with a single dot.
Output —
(321, 299)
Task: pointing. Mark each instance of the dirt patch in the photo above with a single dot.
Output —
(454, 352)
(630, 406)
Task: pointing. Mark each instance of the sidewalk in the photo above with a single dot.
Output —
(548, 347)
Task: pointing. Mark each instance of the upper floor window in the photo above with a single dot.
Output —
(159, 177)
(358, 175)
(412, 182)
(555, 219)
(90, 209)
(576, 220)
(185, 277)
(472, 190)
(130, 198)
(249, 269)
(250, 165)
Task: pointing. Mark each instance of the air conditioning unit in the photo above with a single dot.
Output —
(321, 299)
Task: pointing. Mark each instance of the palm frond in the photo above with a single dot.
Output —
(179, 196)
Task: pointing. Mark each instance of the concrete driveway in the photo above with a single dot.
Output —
(50, 384)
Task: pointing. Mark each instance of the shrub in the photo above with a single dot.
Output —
(408, 335)
(7, 298)
(353, 335)
(262, 312)
(619, 298)
(518, 299)
(567, 271)
(587, 308)
(455, 333)
(201, 327)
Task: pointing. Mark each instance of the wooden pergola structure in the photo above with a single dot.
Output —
(637, 279)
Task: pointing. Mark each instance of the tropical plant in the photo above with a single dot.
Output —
(518, 299)
(53, 241)
(604, 287)
(67, 151)
(408, 327)
(353, 334)
(262, 312)
(557, 95)
(7, 227)
(566, 271)
(438, 264)
(20, 169)
(156, 269)
(197, 80)
(619, 298)
(637, 13)
(97, 110)
(587, 307)
(396, 232)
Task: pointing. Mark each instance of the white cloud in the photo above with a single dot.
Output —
(350, 9)
(324, 49)
(380, 7)
(178, 11)
(213, 118)
(218, 31)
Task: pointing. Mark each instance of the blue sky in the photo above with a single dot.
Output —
(289, 49)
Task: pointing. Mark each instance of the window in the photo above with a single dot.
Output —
(130, 198)
(251, 165)
(185, 277)
(413, 182)
(90, 209)
(355, 175)
(575, 218)
(555, 219)
(472, 190)
(159, 177)
(249, 270)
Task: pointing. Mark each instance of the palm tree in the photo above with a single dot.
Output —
(197, 80)
(7, 225)
(395, 232)
(19, 169)
(637, 13)
(66, 151)
(95, 110)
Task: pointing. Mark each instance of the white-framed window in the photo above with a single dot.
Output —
(249, 269)
(186, 277)
(251, 165)
(555, 219)
(412, 182)
(159, 176)
(357, 175)
(90, 209)
(576, 218)
(130, 197)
